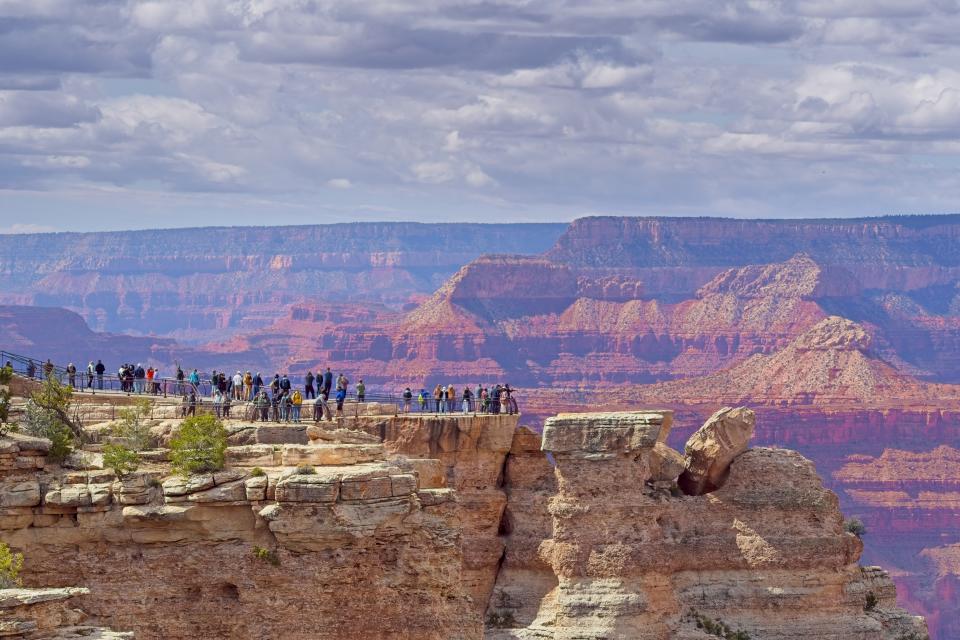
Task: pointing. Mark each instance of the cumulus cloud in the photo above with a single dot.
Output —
(540, 107)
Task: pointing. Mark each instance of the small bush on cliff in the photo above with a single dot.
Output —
(257, 472)
(10, 565)
(262, 553)
(716, 627)
(855, 526)
(132, 425)
(120, 459)
(870, 602)
(306, 469)
(199, 447)
(48, 415)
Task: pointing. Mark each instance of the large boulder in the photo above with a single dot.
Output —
(710, 450)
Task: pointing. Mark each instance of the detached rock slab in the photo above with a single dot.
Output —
(599, 434)
(709, 451)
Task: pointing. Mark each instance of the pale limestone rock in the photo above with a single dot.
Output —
(254, 455)
(19, 492)
(233, 491)
(200, 482)
(174, 486)
(666, 465)
(403, 484)
(430, 472)
(83, 460)
(68, 495)
(307, 488)
(19, 596)
(710, 450)
(256, 488)
(328, 455)
(372, 488)
(605, 433)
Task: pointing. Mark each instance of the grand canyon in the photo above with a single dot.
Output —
(841, 336)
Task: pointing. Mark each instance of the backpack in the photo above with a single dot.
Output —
(297, 398)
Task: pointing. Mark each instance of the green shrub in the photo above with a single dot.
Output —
(257, 472)
(132, 425)
(716, 627)
(870, 602)
(306, 469)
(262, 553)
(43, 423)
(10, 565)
(199, 447)
(855, 526)
(122, 460)
(48, 415)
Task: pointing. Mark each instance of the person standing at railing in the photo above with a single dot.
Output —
(438, 397)
(467, 396)
(296, 401)
(141, 378)
(90, 373)
(72, 376)
(422, 399)
(327, 382)
(195, 380)
(275, 386)
(217, 403)
(180, 378)
(237, 385)
(257, 384)
(247, 385)
(226, 406)
(192, 403)
(100, 369)
(407, 399)
(341, 396)
(261, 406)
(361, 391)
(308, 386)
(451, 398)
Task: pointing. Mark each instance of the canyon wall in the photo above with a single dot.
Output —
(204, 282)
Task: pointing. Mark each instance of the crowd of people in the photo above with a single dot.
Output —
(278, 398)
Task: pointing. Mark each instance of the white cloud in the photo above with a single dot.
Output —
(23, 227)
(664, 105)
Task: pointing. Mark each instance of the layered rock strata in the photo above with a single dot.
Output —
(49, 614)
(324, 541)
(471, 451)
(627, 557)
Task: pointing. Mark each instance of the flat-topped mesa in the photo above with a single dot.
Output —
(629, 556)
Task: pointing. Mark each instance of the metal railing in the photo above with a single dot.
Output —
(84, 382)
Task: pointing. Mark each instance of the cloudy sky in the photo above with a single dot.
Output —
(136, 113)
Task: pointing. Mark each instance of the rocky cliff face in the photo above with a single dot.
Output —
(448, 521)
(355, 549)
(765, 555)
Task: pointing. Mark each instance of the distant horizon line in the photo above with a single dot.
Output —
(545, 223)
